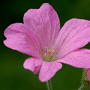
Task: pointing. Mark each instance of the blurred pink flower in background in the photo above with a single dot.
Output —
(88, 74)
(40, 37)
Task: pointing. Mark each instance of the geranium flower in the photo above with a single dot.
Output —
(40, 37)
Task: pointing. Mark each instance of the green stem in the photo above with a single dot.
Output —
(49, 86)
(83, 78)
(81, 87)
(84, 74)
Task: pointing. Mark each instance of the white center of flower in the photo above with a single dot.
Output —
(48, 55)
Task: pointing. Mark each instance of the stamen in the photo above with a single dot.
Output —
(48, 55)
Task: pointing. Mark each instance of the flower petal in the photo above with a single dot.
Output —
(21, 42)
(48, 70)
(73, 35)
(33, 64)
(43, 21)
(16, 28)
(79, 58)
(21, 28)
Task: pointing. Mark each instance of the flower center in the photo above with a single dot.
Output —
(48, 55)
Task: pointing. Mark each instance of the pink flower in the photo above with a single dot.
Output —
(40, 37)
(88, 74)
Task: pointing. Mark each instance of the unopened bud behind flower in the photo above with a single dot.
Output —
(88, 74)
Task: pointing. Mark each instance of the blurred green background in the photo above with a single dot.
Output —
(12, 74)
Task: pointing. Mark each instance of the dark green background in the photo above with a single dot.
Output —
(12, 74)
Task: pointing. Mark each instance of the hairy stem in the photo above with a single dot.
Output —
(81, 87)
(49, 86)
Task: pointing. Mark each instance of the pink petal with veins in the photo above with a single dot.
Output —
(79, 58)
(73, 35)
(43, 21)
(33, 64)
(48, 70)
